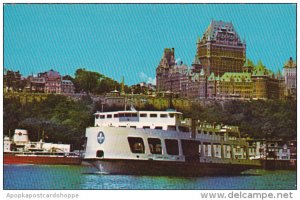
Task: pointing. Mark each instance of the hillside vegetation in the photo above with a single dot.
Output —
(62, 119)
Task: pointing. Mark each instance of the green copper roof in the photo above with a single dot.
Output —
(248, 63)
(236, 77)
(211, 77)
(260, 70)
(216, 27)
(202, 72)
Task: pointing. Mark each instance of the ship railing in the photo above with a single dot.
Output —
(45, 153)
(208, 159)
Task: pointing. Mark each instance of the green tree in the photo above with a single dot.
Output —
(87, 80)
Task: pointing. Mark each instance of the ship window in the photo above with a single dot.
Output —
(97, 116)
(163, 115)
(172, 147)
(99, 153)
(153, 115)
(134, 115)
(172, 115)
(102, 116)
(136, 144)
(127, 114)
(132, 126)
(116, 115)
(171, 128)
(146, 127)
(143, 115)
(155, 145)
(158, 127)
(184, 129)
(109, 116)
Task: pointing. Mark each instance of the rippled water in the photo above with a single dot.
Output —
(82, 177)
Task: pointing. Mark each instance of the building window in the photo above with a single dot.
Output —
(136, 144)
(172, 147)
(155, 145)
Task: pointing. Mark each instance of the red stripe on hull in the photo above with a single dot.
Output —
(42, 160)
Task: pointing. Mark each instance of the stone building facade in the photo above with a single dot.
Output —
(290, 77)
(254, 82)
(220, 70)
(220, 49)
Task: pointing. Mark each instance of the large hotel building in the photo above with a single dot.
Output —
(220, 70)
(221, 50)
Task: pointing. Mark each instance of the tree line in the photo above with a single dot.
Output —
(252, 117)
(84, 81)
(62, 119)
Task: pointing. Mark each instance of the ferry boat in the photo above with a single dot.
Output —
(20, 150)
(157, 143)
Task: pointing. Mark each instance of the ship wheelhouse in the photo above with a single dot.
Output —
(162, 120)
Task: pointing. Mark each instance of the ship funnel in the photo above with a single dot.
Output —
(21, 136)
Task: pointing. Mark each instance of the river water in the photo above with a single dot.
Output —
(83, 177)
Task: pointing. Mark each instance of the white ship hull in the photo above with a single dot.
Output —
(113, 153)
(167, 168)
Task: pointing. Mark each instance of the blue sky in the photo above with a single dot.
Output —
(128, 40)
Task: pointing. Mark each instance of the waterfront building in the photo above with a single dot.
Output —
(271, 149)
(290, 77)
(220, 49)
